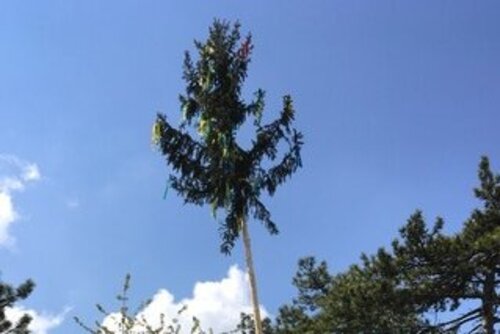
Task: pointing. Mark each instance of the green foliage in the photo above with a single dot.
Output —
(364, 299)
(127, 322)
(426, 270)
(247, 326)
(8, 297)
(444, 271)
(213, 168)
(313, 283)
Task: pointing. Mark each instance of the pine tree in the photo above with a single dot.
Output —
(364, 299)
(8, 297)
(426, 270)
(213, 167)
(444, 271)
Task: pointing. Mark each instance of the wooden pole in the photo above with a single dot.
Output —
(251, 274)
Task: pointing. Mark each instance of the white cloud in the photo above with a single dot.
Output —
(14, 174)
(7, 216)
(72, 203)
(41, 323)
(31, 173)
(217, 305)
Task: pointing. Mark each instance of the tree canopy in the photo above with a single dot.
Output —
(424, 271)
(9, 295)
(444, 271)
(213, 168)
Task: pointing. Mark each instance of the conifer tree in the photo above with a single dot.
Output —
(212, 167)
(426, 270)
(8, 297)
(444, 271)
(366, 298)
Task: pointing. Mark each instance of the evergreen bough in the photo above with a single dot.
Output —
(213, 167)
(8, 297)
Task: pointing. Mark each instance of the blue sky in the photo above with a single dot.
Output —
(397, 101)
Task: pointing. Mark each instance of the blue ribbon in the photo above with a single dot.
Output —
(165, 192)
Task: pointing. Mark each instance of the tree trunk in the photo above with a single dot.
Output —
(251, 274)
(488, 303)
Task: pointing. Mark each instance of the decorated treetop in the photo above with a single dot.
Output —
(211, 167)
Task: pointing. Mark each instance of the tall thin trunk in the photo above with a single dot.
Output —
(251, 274)
(488, 302)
